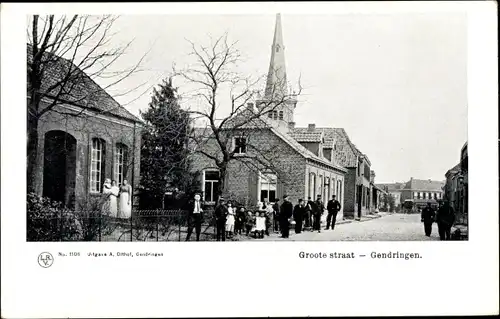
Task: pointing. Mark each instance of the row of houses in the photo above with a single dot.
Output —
(76, 153)
(416, 193)
(456, 189)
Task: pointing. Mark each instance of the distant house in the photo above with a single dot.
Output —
(86, 138)
(394, 189)
(422, 192)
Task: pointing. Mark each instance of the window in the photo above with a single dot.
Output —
(210, 185)
(273, 115)
(270, 114)
(320, 185)
(268, 185)
(240, 145)
(312, 185)
(424, 195)
(435, 196)
(280, 115)
(120, 169)
(415, 195)
(326, 192)
(97, 165)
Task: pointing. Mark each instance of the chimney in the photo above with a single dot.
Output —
(250, 106)
(311, 127)
(291, 125)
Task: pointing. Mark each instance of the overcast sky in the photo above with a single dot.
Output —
(396, 83)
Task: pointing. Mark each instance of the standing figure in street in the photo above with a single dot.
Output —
(318, 212)
(298, 215)
(195, 217)
(269, 215)
(230, 220)
(249, 223)
(220, 219)
(286, 213)
(276, 215)
(333, 207)
(428, 216)
(106, 191)
(125, 200)
(308, 214)
(445, 218)
(239, 223)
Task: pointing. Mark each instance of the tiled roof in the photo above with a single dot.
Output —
(265, 123)
(424, 185)
(307, 137)
(82, 90)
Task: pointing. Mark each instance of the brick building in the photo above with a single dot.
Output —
(456, 189)
(394, 189)
(304, 166)
(84, 139)
(420, 192)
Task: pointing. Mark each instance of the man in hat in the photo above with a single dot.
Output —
(333, 207)
(318, 212)
(445, 218)
(286, 213)
(427, 217)
(195, 217)
(298, 215)
(221, 213)
(276, 215)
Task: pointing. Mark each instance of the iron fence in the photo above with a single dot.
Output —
(143, 225)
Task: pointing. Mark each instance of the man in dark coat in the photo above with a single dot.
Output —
(286, 213)
(220, 219)
(298, 215)
(309, 212)
(428, 216)
(445, 218)
(195, 217)
(276, 215)
(318, 212)
(333, 207)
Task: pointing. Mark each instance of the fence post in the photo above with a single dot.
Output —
(131, 225)
(157, 224)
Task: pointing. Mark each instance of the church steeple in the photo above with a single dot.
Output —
(276, 94)
(276, 83)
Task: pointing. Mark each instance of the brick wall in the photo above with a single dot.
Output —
(350, 193)
(242, 179)
(83, 128)
(292, 168)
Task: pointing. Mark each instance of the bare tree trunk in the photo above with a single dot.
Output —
(32, 147)
(222, 178)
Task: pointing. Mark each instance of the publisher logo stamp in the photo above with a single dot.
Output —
(45, 260)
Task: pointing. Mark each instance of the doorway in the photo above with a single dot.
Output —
(59, 167)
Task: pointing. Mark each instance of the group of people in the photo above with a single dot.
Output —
(117, 201)
(444, 217)
(230, 220)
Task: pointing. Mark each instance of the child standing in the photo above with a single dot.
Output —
(260, 225)
(249, 223)
(230, 220)
(239, 224)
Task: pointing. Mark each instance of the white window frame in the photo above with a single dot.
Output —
(234, 145)
(119, 171)
(280, 115)
(96, 156)
(213, 182)
(262, 182)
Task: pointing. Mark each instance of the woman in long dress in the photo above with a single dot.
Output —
(113, 199)
(230, 220)
(125, 200)
(106, 191)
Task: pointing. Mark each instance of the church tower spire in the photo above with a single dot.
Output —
(276, 83)
(276, 93)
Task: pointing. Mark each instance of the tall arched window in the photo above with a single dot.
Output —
(120, 163)
(97, 166)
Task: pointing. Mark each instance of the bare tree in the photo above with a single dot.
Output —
(212, 73)
(65, 54)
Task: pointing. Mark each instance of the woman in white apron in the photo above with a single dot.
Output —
(230, 220)
(125, 200)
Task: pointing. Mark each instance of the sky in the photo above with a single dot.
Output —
(396, 83)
